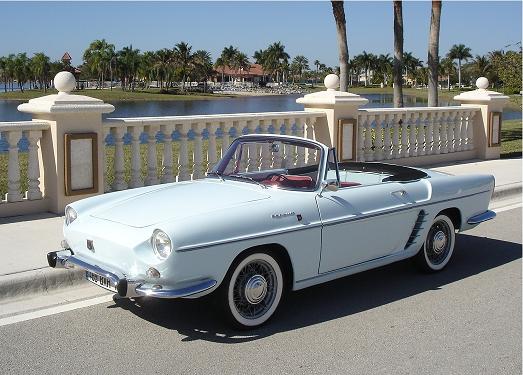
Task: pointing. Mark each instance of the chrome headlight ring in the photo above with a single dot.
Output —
(70, 215)
(161, 244)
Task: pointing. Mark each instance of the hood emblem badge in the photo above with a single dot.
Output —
(90, 245)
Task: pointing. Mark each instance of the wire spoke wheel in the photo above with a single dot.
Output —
(255, 289)
(439, 245)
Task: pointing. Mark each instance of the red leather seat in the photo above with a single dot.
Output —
(291, 181)
(348, 184)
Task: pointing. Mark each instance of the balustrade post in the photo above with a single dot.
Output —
(119, 168)
(167, 157)
(486, 124)
(183, 166)
(337, 105)
(33, 170)
(413, 151)
(212, 158)
(396, 136)
(13, 168)
(378, 137)
(67, 114)
(421, 134)
(266, 156)
(429, 134)
(136, 157)
(387, 144)
(152, 156)
(198, 152)
(404, 136)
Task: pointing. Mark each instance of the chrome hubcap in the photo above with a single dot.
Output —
(255, 289)
(440, 240)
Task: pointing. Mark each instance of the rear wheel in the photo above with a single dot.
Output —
(252, 290)
(439, 245)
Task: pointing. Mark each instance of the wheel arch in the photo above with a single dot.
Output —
(276, 250)
(454, 214)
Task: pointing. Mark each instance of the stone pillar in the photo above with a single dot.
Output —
(488, 102)
(66, 113)
(337, 105)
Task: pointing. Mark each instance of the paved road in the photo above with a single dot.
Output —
(393, 320)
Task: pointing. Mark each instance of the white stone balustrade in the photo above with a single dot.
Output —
(199, 141)
(12, 133)
(424, 132)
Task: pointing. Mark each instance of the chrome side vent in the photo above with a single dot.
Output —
(418, 226)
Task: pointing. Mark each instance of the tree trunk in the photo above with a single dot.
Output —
(459, 74)
(398, 54)
(448, 82)
(433, 56)
(343, 50)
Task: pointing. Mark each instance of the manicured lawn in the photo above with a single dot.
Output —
(511, 138)
(115, 94)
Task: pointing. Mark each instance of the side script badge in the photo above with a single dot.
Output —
(90, 245)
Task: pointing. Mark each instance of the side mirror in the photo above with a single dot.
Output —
(330, 185)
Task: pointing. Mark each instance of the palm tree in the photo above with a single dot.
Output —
(276, 60)
(341, 32)
(40, 68)
(97, 58)
(3, 71)
(459, 52)
(227, 56)
(184, 59)
(433, 54)
(481, 66)
(202, 64)
(383, 67)
(398, 54)
(447, 67)
(299, 65)
(368, 60)
(128, 61)
(411, 65)
(21, 70)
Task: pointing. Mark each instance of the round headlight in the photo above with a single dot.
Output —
(161, 243)
(70, 215)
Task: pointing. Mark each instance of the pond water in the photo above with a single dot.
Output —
(277, 103)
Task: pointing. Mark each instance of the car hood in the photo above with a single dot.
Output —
(178, 201)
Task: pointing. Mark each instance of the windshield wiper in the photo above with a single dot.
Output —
(214, 173)
(240, 176)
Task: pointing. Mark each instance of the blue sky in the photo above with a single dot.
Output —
(303, 27)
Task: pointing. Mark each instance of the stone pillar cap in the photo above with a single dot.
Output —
(64, 102)
(481, 94)
(331, 96)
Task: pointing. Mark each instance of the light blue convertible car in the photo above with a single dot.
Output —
(276, 214)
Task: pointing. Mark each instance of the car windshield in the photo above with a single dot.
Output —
(271, 162)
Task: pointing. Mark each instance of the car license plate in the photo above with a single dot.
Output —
(100, 280)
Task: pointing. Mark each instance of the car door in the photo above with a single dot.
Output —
(365, 222)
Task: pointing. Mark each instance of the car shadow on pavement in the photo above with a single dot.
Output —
(197, 319)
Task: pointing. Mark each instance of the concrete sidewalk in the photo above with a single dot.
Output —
(25, 240)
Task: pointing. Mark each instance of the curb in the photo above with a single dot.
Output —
(505, 191)
(45, 279)
(38, 281)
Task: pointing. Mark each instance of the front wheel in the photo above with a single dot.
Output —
(252, 290)
(439, 245)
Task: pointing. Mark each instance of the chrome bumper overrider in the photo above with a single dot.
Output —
(476, 219)
(126, 287)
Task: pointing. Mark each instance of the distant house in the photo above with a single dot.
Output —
(254, 74)
(66, 59)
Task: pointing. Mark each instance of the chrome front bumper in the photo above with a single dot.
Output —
(476, 219)
(124, 286)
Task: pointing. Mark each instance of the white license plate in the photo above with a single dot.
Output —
(100, 280)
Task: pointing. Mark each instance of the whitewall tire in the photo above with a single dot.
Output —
(439, 245)
(252, 290)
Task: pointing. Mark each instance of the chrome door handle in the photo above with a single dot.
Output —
(401, 193)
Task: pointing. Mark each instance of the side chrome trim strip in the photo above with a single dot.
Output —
(319, 224)
(480, 218)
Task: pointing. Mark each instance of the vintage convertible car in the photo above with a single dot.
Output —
(277, 213)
